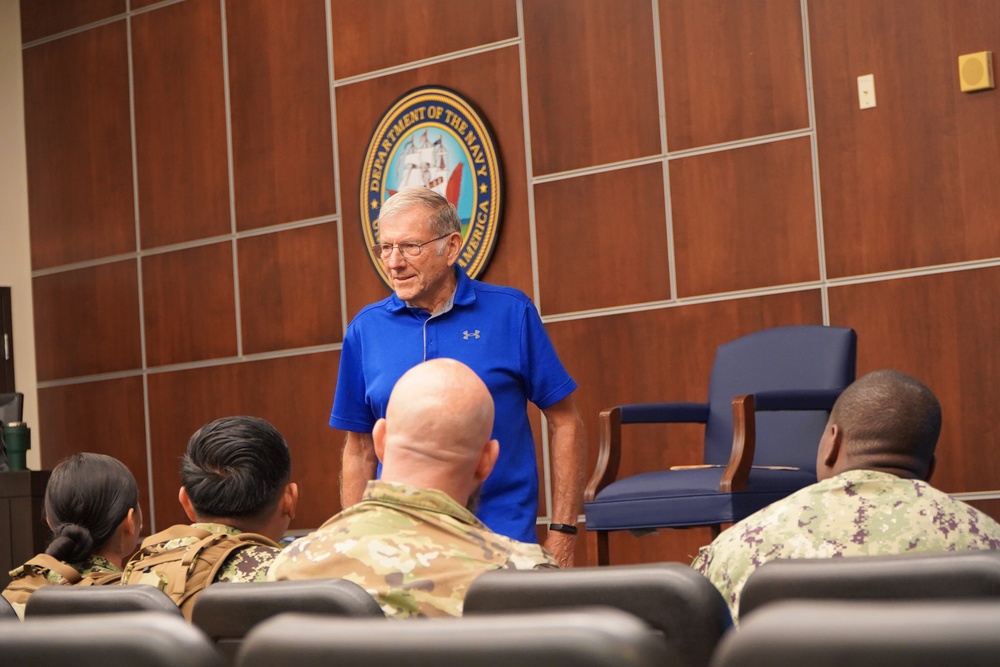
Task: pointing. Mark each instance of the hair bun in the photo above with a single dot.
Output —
(71, 543)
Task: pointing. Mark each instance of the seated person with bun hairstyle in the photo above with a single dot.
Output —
(92, 507)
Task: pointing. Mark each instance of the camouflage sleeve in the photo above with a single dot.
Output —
(530, 557)
(247, 565)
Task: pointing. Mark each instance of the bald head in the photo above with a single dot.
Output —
(886, 420)
(436, 431)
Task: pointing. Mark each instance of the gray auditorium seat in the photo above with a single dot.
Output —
(671, 598)
(63, 600)
(226, 612)
(962, 574)
(6, 611)
(106, 640)
(588, 637)
(897, 633)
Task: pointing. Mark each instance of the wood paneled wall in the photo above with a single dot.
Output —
(677, 172)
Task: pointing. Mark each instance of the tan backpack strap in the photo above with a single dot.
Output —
(190, 559)
(174, 533)
(101, 579)
(43, 562)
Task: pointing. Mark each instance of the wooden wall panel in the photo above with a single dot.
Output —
(591, 75)
(180, 123)
(281, 124)
(293, 393)
(602, 240)
(942, 329)
(662, 355)
(104, 417)
(733, 229)
(290, 289)
(189, 305)
(911, 182)
(41, 18)
(491, 81)
(87, 321)
(371, 35)
(78, 147)
(732, 70)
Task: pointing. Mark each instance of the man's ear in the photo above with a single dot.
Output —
(182, 496)
(454, 247)
(835, 439)
(290, 500)
(378, 438)
(491, 450)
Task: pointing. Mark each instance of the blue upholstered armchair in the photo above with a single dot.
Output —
(768, 402)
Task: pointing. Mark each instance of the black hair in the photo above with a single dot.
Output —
(235, 467)
(87, 498)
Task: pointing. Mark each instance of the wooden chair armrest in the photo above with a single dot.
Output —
(608, 454)
(737, 471)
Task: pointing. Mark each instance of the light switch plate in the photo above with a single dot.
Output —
(866, 91)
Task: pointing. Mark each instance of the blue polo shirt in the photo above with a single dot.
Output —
(494, 330)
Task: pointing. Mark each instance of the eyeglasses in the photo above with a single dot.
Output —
(411, 250)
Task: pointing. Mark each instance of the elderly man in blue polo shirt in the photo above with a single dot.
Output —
(439, 312)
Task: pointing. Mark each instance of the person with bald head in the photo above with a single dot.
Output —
(413, 542)
(873, 464)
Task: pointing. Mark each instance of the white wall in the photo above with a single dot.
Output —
(15, 253)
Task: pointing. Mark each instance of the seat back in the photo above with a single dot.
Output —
(783, 358)
(226, 612)
(586, 637)
(681, 605)
(866, 634)
(6, 611)
(964, 574)
(63, 600)
(100, 640)
(11, 408)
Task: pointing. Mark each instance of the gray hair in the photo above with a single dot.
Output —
(443, 218)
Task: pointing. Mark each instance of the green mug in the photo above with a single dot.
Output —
(17, 437)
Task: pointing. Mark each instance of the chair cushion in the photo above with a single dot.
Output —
(669, 498)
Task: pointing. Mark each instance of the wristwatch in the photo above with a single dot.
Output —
(563, 528)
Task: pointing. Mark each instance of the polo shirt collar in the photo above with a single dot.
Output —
(465, 294)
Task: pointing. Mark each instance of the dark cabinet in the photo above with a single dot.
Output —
(23, 532)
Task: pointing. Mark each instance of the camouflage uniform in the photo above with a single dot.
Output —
(94, 567)
(246, 565)
(414, 550)
(857, 513)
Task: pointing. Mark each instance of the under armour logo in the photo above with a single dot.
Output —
(467, 335)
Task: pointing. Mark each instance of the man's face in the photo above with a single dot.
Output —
(423, 281)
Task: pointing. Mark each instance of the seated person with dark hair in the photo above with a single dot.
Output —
(236, 489)
(413, 542)
(873, 463)
(92, 507)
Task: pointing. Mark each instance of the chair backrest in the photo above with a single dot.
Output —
(897, 633)
(226, 612)
(679, 603)
(11, 407)
(962, 574)
(63, 600)
(587, 637)
(101, 640)
(782, 358)
(7, 611)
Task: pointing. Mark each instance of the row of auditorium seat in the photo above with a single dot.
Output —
(911, 610)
